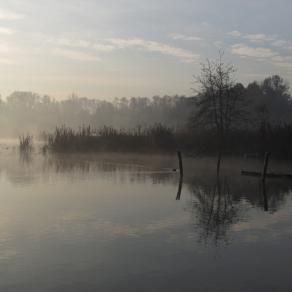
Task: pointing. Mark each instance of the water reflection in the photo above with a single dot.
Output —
(123, 172)
(273, 194)
(264, 194)
(72, 218)
(214, 204)
(180, 184)
(25, 157)
(29, 168)
(214, 210)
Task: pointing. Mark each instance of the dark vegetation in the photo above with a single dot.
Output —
(25, 143)
(246, 142)
(224, 117)
(148, 139)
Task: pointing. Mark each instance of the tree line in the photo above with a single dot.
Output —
(261, 102)
(23, 112)
(222, 117)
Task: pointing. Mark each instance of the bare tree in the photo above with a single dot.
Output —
(219, 100)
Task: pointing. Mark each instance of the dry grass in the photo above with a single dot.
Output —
(26, 143)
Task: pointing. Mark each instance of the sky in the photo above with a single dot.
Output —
(105, 49)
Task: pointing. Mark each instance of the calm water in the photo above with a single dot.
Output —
(114, 223)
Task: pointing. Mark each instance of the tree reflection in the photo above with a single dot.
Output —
(273, 194)
(215, 211)
(25, 157)
(216, 207)
(265, 197)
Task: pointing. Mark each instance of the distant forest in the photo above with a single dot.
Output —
(268, 101)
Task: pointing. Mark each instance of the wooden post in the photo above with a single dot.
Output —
(181, 174)
(219, 162)
(179, 188)
(265, 168)
(266, 203)
(181, 170)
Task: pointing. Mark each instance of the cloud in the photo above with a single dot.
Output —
(235, 33)
(219, 44)
(7, 61)
(254, 38)
(269, 51)
(271, 40)
(9, 53)
(112, 44)
(243, 50)
(84, 44)
(259, 53)
(152, 46)
(8, 48)
(284, 62)
(6, 31)
(259, 38)
(182, 37)
(10, 15)
(282, 44)
(103, 47)
(75, 55)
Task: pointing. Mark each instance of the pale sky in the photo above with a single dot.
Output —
(105, 48)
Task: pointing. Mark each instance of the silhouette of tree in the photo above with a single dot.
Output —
(215, 210)
(220, 100)
(270, 101)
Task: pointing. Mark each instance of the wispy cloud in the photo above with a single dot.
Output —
(112, 44)
(271, 40)
(235, 33)
(84, 44)
(6, 47)
(284, 62)
(282, 44)
(6, 31)
(243, 50)
(263, 54)
(10, 15)
(177, 36)
(254, 38)
(269, 49)
(259, 38)
(7, 61)
(152, 46)
(10, 53)
(75, 55)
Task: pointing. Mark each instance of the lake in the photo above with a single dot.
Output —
(116, 222)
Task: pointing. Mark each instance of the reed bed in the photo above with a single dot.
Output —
(163, 139)
(25, 143)
(155, 138)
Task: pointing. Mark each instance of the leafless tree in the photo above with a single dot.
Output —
(219, 100)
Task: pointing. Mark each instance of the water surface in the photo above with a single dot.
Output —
(116, 223)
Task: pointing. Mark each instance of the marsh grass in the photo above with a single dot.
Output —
(147, 139)
(25, 143)
(159, 138)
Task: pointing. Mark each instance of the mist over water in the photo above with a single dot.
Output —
(262, 102)
(112, 222)
(145, 146)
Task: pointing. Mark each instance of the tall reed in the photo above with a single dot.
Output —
(25, 143)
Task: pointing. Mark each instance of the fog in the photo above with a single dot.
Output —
(23, 112)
